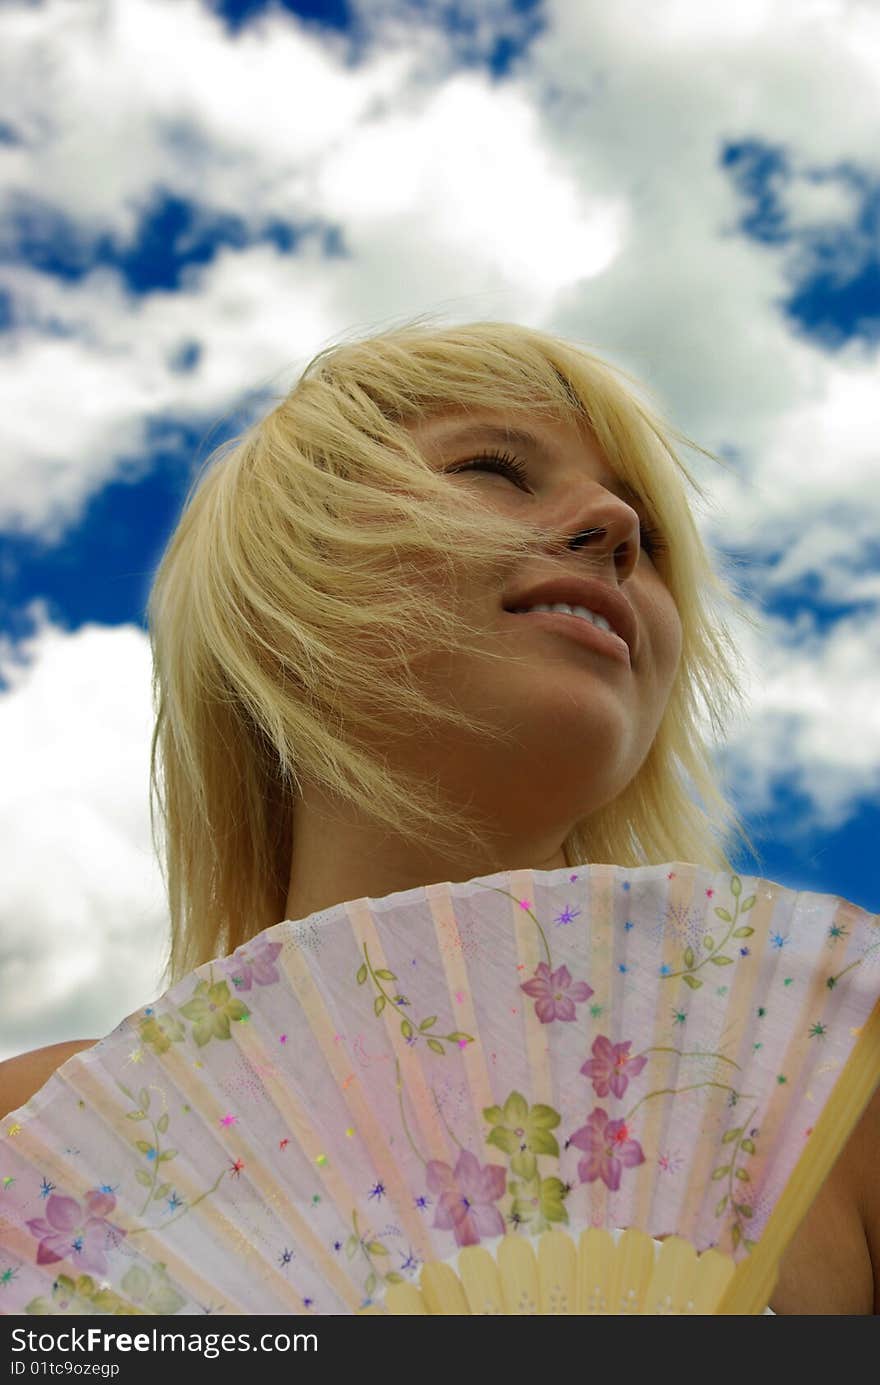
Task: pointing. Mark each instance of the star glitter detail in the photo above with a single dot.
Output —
(596, 1010)
(237, 1167)
(777, 940)
(377, 1192)
(818, 1031)
(628, 926)
(285, 1257)
(14, 1129)
(679, 1016)
(282, 1144)
(228, 1119)
(567, 915)
(423, 1202)
(46, 1188)
(174, 1202)
(8, 1275)
(670, 1163)
(837, 931)
(136, 1056)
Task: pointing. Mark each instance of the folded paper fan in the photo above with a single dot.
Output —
(348, 1103)
(601, 1276)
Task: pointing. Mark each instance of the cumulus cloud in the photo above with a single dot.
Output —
(82, 918)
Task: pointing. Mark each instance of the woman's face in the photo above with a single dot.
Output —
(584, 720)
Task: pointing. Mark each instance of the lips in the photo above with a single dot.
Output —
(595, 595)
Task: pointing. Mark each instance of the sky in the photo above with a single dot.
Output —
(196, 196)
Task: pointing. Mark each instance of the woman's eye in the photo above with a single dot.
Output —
(650, 538)
(498, 462)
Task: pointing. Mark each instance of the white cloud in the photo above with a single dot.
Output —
(805, 687)
(82, 915)
(813, 202)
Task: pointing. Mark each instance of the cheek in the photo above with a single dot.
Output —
(666, 638)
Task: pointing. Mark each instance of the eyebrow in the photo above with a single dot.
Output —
(521, 437)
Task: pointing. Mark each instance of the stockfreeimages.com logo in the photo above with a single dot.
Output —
(209, 1345)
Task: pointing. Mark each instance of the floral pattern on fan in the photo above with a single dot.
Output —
(86, 1228)
(524, 1133)
(469, 1192)
(412, 1034)
(421, 1054)
(145, 1292)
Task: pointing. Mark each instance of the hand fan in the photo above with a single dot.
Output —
(348, 1101)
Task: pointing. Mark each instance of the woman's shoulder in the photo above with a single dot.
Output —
(25, 1074)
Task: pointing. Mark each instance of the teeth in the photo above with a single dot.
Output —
(571, 611)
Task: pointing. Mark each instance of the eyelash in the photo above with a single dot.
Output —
(651, 539)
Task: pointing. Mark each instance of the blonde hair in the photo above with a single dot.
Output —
(284, 620)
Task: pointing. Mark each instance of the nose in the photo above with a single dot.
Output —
(610, 531)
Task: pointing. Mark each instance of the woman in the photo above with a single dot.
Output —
(352, 700)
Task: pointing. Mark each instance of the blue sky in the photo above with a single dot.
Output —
(197, 197)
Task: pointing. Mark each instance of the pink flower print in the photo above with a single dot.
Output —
(608, 1149)
(611, 1066)
(69, 1233)
(555, 994)
(255, 962)
(466, 1196)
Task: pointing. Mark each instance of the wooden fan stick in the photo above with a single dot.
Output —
(753, 1282)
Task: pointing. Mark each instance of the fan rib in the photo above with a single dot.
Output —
(383, 1162)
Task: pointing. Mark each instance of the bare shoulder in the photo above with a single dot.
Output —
(864, 1153)
(833, 1262)
(25, 1074)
